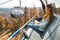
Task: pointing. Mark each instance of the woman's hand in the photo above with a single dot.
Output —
(36, 22)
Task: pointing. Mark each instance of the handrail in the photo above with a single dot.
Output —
(15, 33)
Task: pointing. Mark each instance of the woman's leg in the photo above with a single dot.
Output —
(33, 26)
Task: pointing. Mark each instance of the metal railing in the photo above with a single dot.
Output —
(15, 33)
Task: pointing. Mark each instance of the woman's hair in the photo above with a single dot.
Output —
(49, 6)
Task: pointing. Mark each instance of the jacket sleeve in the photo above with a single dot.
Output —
(43, 5)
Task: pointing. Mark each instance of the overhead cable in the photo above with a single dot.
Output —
(5, 2)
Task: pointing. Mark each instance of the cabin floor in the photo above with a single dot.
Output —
(35, 36)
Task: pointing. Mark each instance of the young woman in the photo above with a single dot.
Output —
(46, 19)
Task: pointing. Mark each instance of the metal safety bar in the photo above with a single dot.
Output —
(15, 33)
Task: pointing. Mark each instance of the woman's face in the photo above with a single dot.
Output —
(47, 9)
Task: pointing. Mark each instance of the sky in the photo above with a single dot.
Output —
(28, 3)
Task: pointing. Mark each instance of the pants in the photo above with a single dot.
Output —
(34, 27)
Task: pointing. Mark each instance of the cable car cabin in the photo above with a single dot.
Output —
(31, 34)
(48, 32)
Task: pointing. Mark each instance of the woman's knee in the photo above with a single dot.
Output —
(30, 25)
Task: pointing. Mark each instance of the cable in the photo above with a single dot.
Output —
(5, 2)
